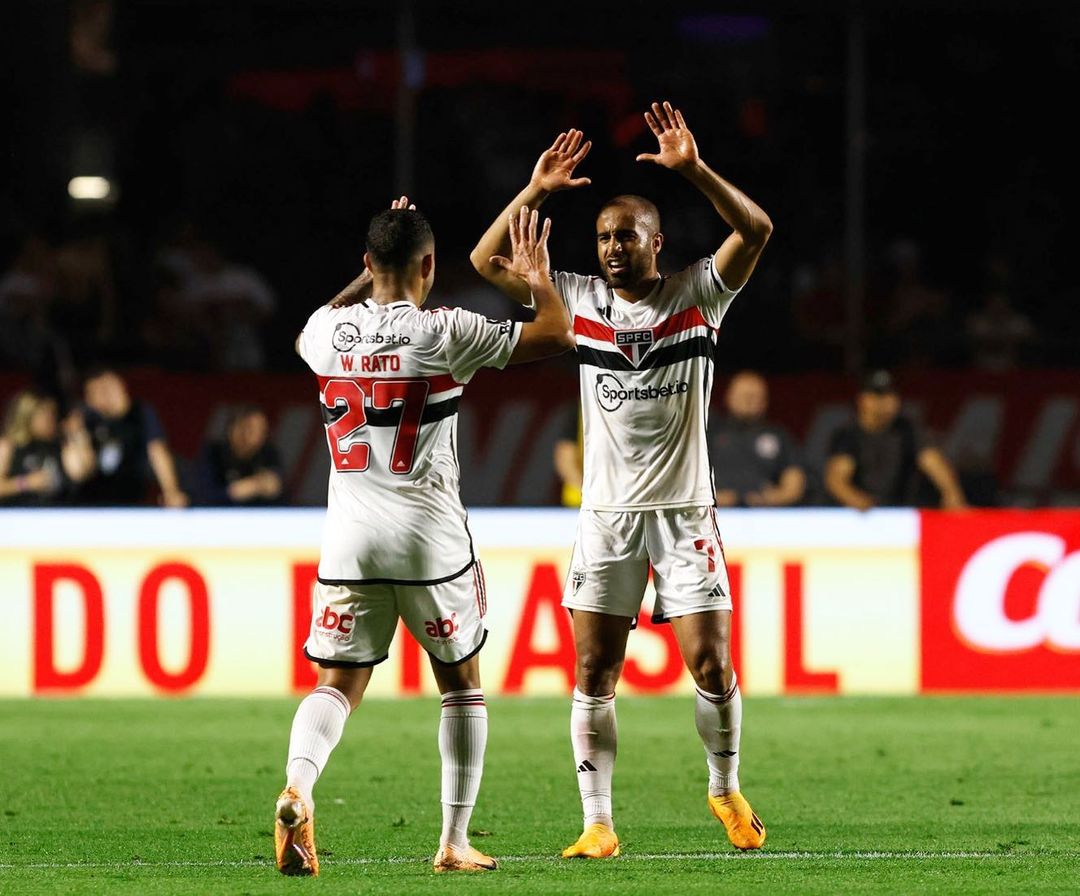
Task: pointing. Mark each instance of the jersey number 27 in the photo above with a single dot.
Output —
(354, 457)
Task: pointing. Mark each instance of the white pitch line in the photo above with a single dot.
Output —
(917, 855)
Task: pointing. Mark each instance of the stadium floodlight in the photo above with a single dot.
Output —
(89, 188)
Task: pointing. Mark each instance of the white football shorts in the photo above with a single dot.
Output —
(614, 550)
(353, 625)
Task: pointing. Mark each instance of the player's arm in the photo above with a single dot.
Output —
(940, 472)
(839, 482)
(549, 333)
(553, 172)
(736, 258)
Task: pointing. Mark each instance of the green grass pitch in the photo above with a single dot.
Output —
(933, 795)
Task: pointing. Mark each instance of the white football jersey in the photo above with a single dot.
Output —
(390, 377)
(646, 374)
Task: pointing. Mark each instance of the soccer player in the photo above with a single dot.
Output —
(396, 544)
(645, 345)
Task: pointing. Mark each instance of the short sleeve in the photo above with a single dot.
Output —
(790, 455)
(572, 288)
(710, 293)
(153, 431)
(473, 341)
(308, 342)
(842, 443)
(269, 459)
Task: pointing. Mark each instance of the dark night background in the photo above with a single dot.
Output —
(268, 131)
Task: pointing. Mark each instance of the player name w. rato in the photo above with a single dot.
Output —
(370, 363)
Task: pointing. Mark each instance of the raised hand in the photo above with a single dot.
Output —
(555, 168)
(530, 262)
(677, 147)
(403, 202)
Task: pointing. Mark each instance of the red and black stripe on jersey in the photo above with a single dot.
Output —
(657, 355)
(435, 408)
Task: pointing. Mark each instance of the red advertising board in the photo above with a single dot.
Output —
(1000, 601)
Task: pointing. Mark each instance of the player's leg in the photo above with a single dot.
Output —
(600, 642)
(463, 730)
(448, 621)
(694, 594)
(607, 580)
(704, 639)
(351, 629)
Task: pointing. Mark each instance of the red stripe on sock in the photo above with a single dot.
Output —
(337, 695)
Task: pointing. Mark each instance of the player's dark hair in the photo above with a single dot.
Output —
(647, 206)
(397, 237)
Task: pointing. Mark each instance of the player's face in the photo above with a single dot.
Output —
(626, 249)
(747, 397)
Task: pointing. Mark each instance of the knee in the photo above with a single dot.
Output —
(597, 674)
(350, 682)
(711, 670)
(459, 677)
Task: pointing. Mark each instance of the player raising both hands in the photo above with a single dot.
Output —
(396, 543)
(645, 345)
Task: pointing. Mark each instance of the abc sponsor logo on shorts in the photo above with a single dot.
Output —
(979, 607)
(442, 630)
(347, 336)
(337, 626)
(611, 393)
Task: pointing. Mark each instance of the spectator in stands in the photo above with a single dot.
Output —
(755, 462)
(875, 462)
(219, 303)
(243, 469)
(569, 458)
(27, 292)
(40, 466)
(129, 444)
(997, 334)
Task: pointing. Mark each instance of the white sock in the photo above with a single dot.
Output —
(594, 734)
(463, 729)
(719, 722)
(320, 718)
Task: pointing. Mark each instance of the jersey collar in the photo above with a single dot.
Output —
(624, 305)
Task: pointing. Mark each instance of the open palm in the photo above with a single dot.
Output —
(677, 146)
(555, 168)
(530, 261)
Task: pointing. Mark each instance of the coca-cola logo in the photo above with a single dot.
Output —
(1000, 601)
(979, 606)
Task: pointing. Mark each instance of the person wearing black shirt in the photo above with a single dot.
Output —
(875, 461)
(755, 462)
(38, 467)
(243, 469)
(130, 446)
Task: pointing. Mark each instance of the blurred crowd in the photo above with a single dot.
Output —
(882, 458)
(111, 450)
(68, 301)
